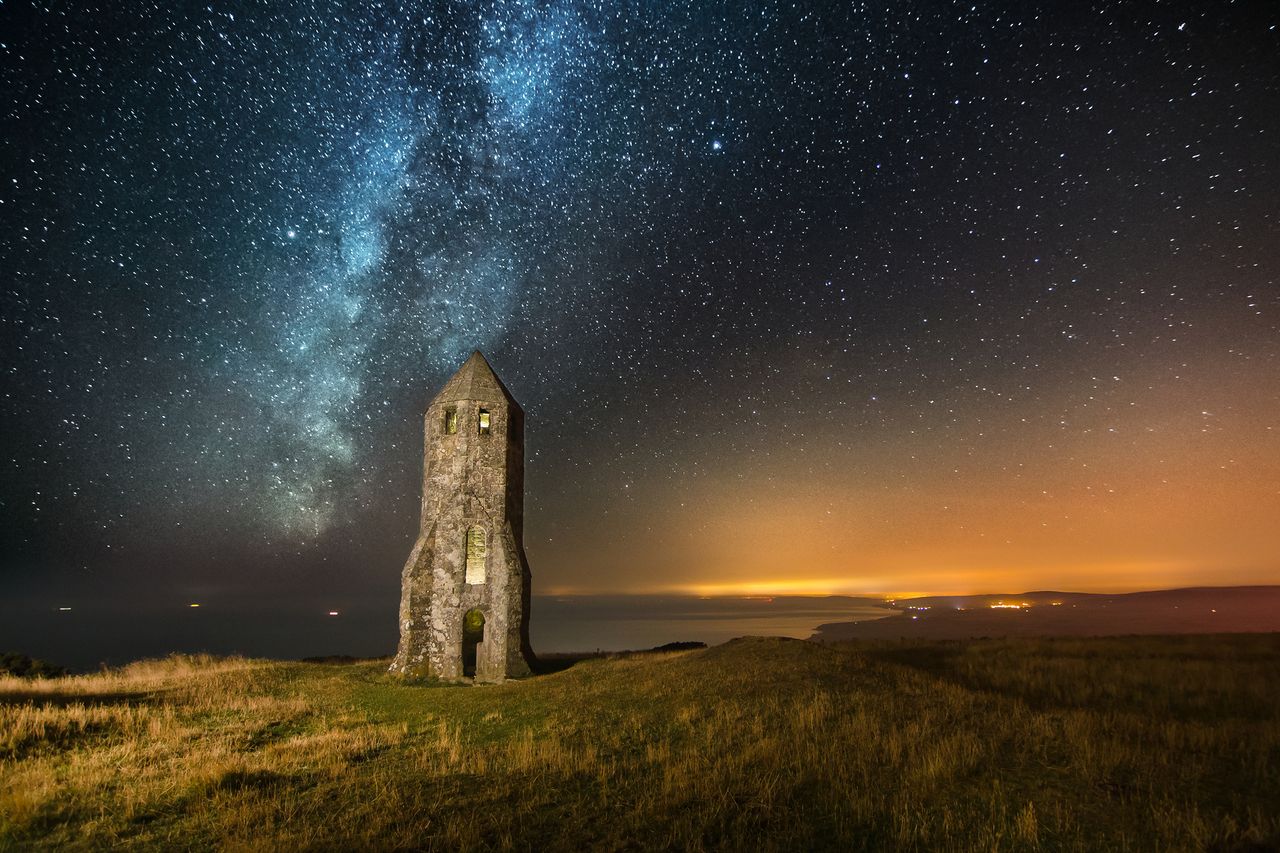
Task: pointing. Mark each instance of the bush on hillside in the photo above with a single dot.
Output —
(25, 666)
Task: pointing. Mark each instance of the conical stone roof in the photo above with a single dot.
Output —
(475, 381)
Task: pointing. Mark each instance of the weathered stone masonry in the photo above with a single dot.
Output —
(469, 557)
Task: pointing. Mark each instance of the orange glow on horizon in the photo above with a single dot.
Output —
(766, 590)
(1150, 481)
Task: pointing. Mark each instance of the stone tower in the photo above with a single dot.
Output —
(464, 605)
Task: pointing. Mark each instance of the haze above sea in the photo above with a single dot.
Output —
(85, 634)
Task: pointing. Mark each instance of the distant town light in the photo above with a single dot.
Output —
(193, 605)
(64, 609)
(333, 613)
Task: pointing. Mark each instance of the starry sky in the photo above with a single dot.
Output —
(880, 297)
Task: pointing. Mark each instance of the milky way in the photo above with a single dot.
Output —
(948, 289)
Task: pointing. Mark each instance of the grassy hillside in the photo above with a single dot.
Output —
(1126, 743)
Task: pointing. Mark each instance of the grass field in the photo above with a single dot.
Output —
(1083, 744)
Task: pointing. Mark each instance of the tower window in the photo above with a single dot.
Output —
(450, 421)
(475, 554)
(484, 421)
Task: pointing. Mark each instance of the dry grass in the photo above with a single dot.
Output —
(1144, 744)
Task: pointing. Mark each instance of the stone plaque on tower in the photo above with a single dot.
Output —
(464, 604)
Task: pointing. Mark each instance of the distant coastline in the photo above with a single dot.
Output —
(1196, 610)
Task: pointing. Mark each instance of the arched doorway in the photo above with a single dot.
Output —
(472, 637)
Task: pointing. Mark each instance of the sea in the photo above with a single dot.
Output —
(87, 634)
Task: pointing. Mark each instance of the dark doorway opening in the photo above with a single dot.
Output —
(472, 637)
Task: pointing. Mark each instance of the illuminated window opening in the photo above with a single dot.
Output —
(475, 555)
(484, 421)
(451, 421)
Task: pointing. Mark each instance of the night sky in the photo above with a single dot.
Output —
(869, 297)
